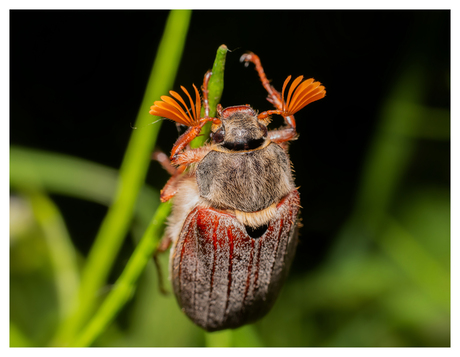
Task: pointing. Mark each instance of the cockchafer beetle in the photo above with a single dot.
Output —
(233, 225)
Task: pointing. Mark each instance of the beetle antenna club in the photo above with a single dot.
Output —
(234, 224)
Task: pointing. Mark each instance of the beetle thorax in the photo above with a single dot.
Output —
(247, 181)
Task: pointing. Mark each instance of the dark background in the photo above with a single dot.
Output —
(77, 79)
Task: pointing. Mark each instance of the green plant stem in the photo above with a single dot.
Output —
(215, 88)
(245, 336)
(126, 283)
(219, 339)
(132, 175)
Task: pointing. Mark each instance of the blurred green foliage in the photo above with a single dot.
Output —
(384, 282)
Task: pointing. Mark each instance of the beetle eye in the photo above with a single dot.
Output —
(218, 136)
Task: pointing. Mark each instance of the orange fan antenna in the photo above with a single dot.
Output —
(171, 109)
(301, 94)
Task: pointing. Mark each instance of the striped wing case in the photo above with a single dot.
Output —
(224, 278)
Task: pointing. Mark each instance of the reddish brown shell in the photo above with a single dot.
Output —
(222, 277)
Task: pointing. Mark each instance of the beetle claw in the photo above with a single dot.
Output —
(246, 58)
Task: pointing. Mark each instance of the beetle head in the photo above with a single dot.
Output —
(240, 129)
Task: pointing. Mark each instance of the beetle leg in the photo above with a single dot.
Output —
(182, 159)
(267, 113)
(162, 247)
(170, 189)
(282, 135)
(191, 156)
(204, 90)
(185, 139)
(191, 133)
(274, 96)
(162, 158)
